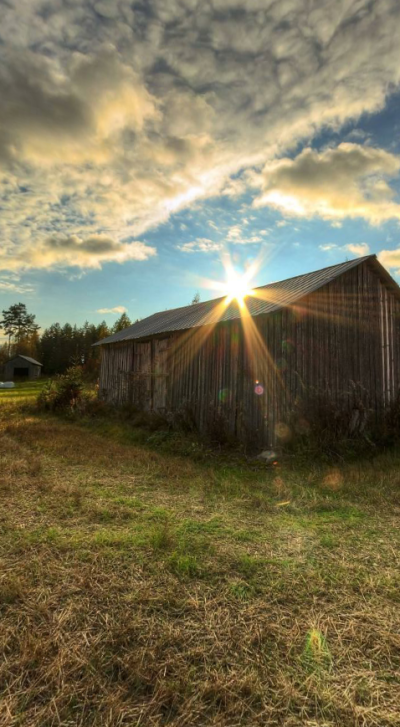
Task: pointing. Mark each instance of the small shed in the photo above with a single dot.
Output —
(250, 364)
(20, 367)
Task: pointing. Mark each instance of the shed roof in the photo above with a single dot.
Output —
(26, 358)
(274, 296)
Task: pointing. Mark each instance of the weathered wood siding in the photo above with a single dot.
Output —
(246, 374)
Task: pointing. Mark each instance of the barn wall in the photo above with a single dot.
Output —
(114, 383)
(247, 374)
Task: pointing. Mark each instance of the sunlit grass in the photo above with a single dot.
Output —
(27, 390)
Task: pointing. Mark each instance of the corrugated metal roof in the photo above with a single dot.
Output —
(268, 299)
(27, 358)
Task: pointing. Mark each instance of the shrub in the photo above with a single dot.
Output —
(64, 393)
(326, 421)
(183, 418)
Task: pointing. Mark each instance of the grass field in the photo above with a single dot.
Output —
(26, 391)
(140, 587)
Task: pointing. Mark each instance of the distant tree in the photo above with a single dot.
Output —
(28, 345)
(18, 324)
(196, 298)
(3, 355)
(63, 346)
(123, 322)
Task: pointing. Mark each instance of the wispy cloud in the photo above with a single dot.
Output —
(238, 236)
(360, 249)
(328, 247)
(10, 285)
(202, 244)
(118, 309)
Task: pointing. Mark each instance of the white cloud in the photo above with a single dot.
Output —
(202, 244)
(234, 233)
(11, 286)
(359, 249)
(118, 309)
(237, 236)
(328, 247)
(347, 181)
(234, 236)
(390, 259)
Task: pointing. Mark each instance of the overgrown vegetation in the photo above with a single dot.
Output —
(142, 587)
(64, 393)
(324, 425)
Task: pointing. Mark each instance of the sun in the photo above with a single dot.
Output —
(236, 286)
(237, 283)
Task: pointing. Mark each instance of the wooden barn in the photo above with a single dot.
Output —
(247, 365)
(22, 367)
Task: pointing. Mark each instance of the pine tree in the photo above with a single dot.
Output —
(123, 322)
(17, 323)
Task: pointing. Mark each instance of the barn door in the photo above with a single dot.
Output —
(160, 374)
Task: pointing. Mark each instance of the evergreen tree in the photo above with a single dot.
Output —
(61, 347)
(18, 324)
(123, 322)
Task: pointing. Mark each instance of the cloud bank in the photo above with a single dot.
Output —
(72, 251)
(115, 115)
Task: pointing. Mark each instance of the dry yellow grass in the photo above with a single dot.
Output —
(139, 587)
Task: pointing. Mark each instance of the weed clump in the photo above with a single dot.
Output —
(316, 655)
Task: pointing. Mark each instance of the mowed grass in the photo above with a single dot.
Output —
(26, 391)
(141, 587)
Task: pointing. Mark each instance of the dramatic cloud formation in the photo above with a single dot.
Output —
(116, 114)
(349, 181)
(118, 309)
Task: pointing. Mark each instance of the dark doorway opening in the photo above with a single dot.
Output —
(21, 372)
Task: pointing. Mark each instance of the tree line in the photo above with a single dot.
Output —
(57, 347)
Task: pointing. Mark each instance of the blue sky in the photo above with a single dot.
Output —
(142, 144)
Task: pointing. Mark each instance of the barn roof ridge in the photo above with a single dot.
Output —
(201, 314)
